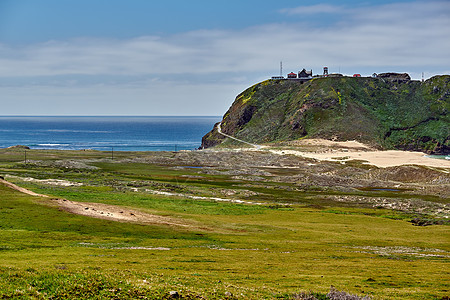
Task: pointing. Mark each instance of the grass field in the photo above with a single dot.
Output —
(297, 240)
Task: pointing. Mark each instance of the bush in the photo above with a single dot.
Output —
(332, 295)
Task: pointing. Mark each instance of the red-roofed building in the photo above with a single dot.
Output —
(292, 75)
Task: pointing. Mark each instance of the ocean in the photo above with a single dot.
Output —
(106, 133)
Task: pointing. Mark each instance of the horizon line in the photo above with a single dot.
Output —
(159, 116)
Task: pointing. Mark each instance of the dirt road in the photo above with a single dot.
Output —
(103, 211)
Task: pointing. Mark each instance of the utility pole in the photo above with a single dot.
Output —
(25, 153)
(112, 153)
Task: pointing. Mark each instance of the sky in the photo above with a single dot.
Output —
(191, 58)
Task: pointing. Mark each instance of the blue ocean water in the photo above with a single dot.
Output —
(447, 157)
(106, 133)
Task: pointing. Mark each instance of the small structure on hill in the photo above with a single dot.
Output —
(356, 75)
(325, 71)
(395, 76)
(303, 74)
(281, 73)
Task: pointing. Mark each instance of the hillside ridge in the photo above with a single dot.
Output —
(386, 114)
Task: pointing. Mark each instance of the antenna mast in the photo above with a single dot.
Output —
(281, 68)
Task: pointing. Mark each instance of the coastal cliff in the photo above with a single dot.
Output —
(382, 112)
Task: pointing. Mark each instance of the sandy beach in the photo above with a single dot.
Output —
(353, 150)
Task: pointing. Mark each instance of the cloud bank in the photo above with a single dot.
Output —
(407, 37)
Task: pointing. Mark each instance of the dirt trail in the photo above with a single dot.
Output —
(20, 189)
(219, 130)
(115, 213)
(103, 211)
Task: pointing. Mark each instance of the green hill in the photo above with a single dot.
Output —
(385, 113)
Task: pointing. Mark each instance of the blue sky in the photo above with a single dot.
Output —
(111, 57)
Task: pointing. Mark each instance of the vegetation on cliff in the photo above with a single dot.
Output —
(389, 114)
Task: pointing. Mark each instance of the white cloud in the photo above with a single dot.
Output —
(313, 9)
(404, 37)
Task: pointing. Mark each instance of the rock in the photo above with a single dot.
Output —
(174, 295)
(425, 222)
(228, 294)
(395, 76)
(19, 147)
(212, 138)
(338, 295)
(304, 296)
(441, 148)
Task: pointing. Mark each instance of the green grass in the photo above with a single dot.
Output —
(251, 251)
(364, 109)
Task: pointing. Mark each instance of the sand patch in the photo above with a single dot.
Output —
(56, 182)
(202, 198)
(401, 250)
(20, 189)
(103, 211)
(115, 213)
(333, 144)
(382, 159)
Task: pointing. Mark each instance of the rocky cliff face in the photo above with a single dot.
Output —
(389, 114)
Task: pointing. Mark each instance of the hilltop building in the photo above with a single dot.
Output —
(303, 74)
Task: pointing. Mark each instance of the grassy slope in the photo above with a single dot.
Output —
(251, 251)
(408, 115)
(303, 249)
